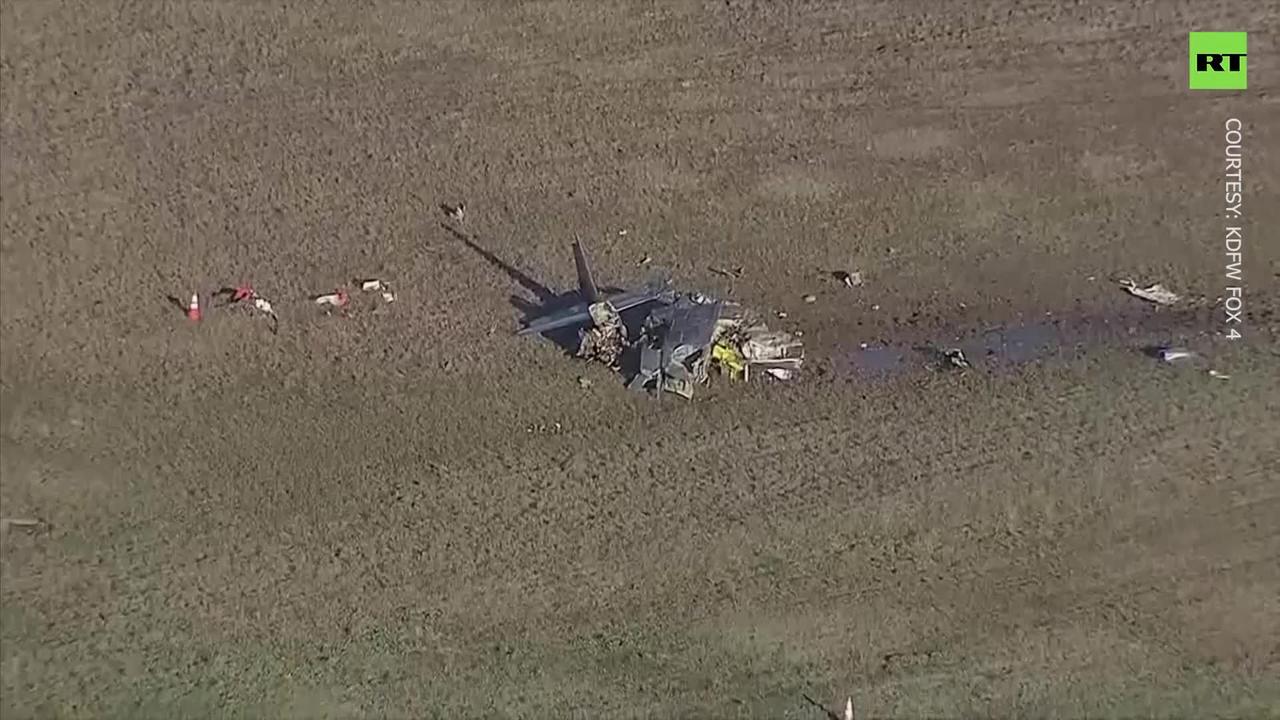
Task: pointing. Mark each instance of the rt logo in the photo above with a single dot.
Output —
(1218, 61)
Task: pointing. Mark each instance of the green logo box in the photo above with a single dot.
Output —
(1218, 61)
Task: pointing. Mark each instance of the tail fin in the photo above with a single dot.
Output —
(586, 284)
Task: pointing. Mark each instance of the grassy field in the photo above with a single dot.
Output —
(410, 513)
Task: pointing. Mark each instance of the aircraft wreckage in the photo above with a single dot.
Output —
(668, 341)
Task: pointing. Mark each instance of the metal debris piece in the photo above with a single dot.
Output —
(779, 373)
(645, 260)
(811, 298)
(1171, 354)
(850, 279)
(457, 213)
(1155, 293)
(675, 348)
(264, 306)
(1218, 375)
(28, 524)
(336, 299)
(727, 272)
(956, 357)
(375, 285)
(584, 383)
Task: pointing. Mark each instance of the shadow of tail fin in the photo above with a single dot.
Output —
(586, 284)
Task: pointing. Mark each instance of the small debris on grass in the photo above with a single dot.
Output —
(456, 213)
(1156, 293)
(850, 279)
(264, 306)
(1171, 354)
(645, 260)
(584, 383)
(811, 299)
(956, 357)
(242, 293)
(28, 524)
(375, 285)
(1219, 375)
(735, 272)
(336, 299)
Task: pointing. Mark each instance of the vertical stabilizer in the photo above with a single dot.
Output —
(586, 284)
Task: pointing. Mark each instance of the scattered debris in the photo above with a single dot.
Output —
(606, 339)
(336, 299)
(681, 335)
(242, 293)
(381, 286)
(28, 524)
(1218, 375)
(264, 306)
(1155, 293)
(583, 382)
(811, 299)
(850, 279)
(233, 295)
(457, 213)
(728, 272)
(645, 260)
(956, 357)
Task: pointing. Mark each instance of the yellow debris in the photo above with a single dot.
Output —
(730, 359)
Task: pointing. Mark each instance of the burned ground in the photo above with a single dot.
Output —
(409, 512)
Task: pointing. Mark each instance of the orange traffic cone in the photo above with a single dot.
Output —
(193, 310)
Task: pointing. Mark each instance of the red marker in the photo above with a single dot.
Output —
(193, 310)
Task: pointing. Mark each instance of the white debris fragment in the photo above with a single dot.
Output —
(848, 709)
(263, 305)
(780, 373)
(850, 279)
(375, 285)
(1218, 375)
(956, 357)
(811, 298)
(334, 299)
(1174, 354)
(1156, 293)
